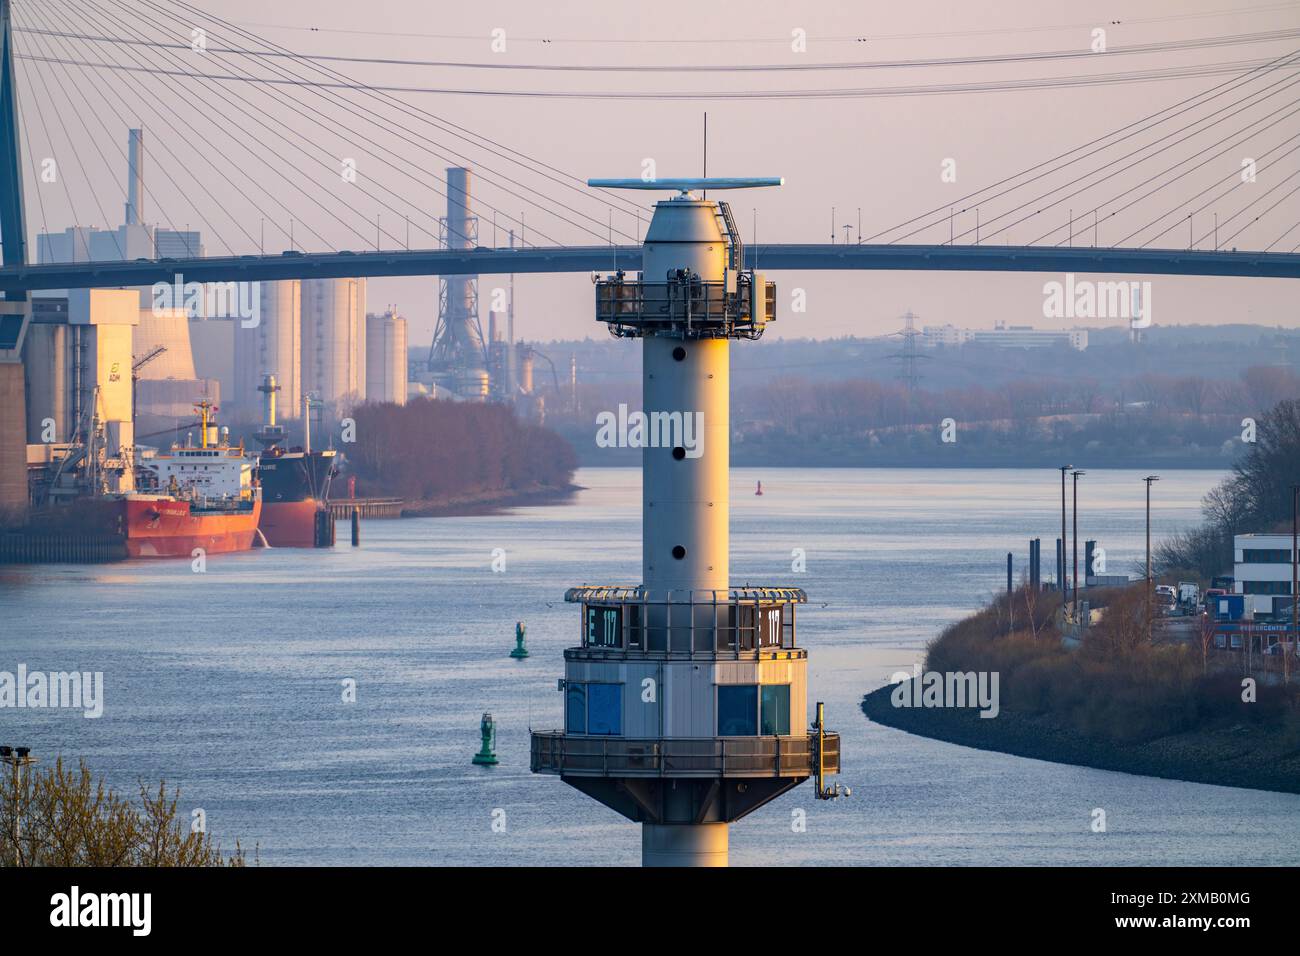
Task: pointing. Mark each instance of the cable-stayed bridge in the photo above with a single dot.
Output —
(801, 257)
(253, 144)
(154, 141)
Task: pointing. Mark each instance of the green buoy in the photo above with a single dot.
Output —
(487, 753)
(520, 652)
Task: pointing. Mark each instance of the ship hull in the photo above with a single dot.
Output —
(291, 524)
(168, 528)
(295, 485)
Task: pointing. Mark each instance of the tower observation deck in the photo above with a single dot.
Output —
(686, 697)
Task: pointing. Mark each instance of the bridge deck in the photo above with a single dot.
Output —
(775, 258)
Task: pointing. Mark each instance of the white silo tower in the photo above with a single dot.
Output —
(272, 347)
(386, 365)
(334, 340)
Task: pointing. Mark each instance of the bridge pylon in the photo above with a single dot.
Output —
(15, 310)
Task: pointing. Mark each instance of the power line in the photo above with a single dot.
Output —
(937, 89)
(785, 40)
(1166, 46)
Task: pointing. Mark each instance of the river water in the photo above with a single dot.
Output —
(228, 683)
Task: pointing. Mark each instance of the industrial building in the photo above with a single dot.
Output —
(212, 342)
(458, 357)
(1004, 336)
(334, 340)
(273, 346)
(163, 362)
(134, 239)
(1262, 572)
(386, 358)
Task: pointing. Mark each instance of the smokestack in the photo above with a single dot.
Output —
(135, 178)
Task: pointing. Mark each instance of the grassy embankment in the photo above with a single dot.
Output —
(1115, 702)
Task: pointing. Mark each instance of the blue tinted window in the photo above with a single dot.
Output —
(776, 709)
(575, 710)
(605, 709)
(737, 710)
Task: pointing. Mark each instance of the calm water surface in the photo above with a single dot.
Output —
(227, 683)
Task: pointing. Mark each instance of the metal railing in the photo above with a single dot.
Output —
(793, 756)
(738, 621)
(685, 305)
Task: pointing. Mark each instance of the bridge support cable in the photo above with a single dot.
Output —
(1079, 153)
(153, 198)
(567, 180)
(486, 173)
(1224, 115)
(1168, 169)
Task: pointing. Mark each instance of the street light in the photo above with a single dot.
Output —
(1295, 579)
(17, 757)
(1060, 561)
(1075, 592)
(1149, 479)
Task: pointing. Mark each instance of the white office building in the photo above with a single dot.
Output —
(1262, 564)
(1004, 336)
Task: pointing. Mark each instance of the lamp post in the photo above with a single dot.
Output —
(17, 757)
(1075, 592)
(1060, 568)
(1295, 579)
(1149, 479)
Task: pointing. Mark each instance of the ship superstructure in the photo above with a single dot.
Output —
(202, 496)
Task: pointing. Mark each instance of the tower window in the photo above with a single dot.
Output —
(737, 710)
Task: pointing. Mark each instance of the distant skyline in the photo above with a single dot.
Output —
(882, 155)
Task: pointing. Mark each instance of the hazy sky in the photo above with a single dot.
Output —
(882, 155)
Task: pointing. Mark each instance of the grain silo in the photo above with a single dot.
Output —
(271, 347)
(386, 358)
(333, 340)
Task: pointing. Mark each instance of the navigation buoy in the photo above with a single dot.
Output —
(486, 755)
(759, 489)
(520, 652)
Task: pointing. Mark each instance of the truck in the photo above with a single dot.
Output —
(1189, 595)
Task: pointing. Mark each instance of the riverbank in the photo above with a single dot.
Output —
(488, 502)
(1234, 755)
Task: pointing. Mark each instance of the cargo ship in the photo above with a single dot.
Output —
(197, 496)
(295, 482)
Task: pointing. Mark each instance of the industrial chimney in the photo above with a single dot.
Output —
(135, 178)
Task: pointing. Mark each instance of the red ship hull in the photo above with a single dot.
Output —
(290, 524)
(167, 528)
